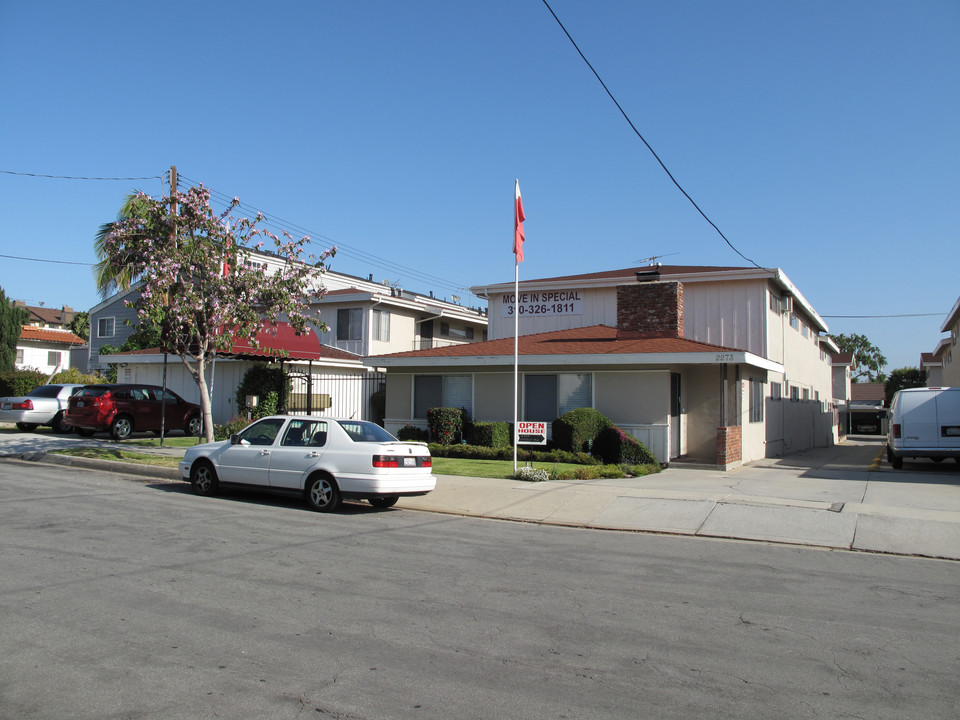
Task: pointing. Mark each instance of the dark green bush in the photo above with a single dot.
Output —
(479, 452)
(268, 383)
(411, 433)
(489, 434)
(614, 446)
(578, 429)
(446, 424)
(20, 382)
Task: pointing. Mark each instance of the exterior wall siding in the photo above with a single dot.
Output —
(732, 314)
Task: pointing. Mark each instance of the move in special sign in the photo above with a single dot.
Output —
(546, 302)
(531, 433)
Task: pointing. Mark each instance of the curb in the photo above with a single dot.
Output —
(114, 466)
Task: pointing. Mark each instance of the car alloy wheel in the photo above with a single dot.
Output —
(122, 428)
(323, 494)
(203, 478)
(194, 426)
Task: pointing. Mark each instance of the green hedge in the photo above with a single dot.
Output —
(478, 452)
(490, 434)
(411, 433)
(577, 430)
(19, 382)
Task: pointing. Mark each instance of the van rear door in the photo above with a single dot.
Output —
(918, 419)
(948, 415)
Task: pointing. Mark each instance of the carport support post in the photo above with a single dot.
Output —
(163, 401)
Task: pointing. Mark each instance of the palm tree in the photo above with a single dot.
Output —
(113, 276)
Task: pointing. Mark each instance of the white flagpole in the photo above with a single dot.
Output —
(516, 357)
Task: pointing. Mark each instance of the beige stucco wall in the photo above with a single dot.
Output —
(951, 358)
(633, 397)
(493, 397)
(399, 396)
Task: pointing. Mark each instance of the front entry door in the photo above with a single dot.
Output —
(675, 411)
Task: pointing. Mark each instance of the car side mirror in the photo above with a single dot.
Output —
(234, 439)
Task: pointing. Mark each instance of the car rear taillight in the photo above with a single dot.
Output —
(896, 430)
(385, 461)
(427, 462)
(25, 405)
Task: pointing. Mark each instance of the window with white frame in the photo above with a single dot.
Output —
(381, 325)
(350, 324)
(794, 321)
(53, 357)
(756, 401)
(547, 397)
(430, 391)
(794, 392)
(105, 327)
(19, 359)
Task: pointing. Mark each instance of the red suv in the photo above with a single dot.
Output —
(127, 408)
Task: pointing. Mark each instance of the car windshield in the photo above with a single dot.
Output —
(360, 431)
(45, 391)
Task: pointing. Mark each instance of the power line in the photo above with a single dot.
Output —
(71, 177)
(906, 315)
(44, 260)
(342, 248)
(652, 151)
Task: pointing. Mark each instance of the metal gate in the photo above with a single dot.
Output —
(360, 397)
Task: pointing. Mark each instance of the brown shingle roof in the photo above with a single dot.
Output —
(592, 340)
(38, 334)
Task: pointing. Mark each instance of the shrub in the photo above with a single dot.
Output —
(411, 433)
(222, 432)
(532, 474)
(268, 383)
(20, 382)
(577, 430)
(446, 424)
(489, 434)
(613, 445)
(72, 375)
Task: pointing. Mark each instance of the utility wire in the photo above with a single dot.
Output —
(69, 177)
(652, 151)
(342, 249)
(886, 316)
(44, 260)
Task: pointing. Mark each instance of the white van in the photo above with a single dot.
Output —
(924, 423)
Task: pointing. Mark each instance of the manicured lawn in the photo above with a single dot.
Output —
(491, 468)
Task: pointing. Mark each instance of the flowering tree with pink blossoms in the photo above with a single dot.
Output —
(195, 285)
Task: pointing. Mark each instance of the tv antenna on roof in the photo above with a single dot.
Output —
(656, 257)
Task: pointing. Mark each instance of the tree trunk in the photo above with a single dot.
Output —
(205, 408)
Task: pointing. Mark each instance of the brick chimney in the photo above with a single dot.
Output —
(649, 310)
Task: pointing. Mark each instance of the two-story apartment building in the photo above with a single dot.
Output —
(715, 364)
(363, 317)
(949, 347)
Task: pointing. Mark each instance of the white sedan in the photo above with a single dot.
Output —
(326, 460)
(44, 405)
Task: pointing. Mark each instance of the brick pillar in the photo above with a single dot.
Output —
(729, 450)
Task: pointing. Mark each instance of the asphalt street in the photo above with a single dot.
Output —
(125, 596)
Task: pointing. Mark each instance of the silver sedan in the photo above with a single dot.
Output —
(326, 460)
(44, 405)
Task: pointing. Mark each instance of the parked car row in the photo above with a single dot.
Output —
(117, 408)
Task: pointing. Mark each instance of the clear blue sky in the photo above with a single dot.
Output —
(821, 137)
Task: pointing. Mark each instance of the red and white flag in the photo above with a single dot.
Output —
(518, 219)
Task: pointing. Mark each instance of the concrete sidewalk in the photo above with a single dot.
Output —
(841, 497)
